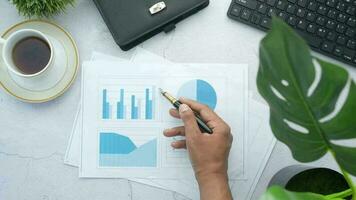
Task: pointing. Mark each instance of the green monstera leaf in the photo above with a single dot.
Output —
(312, 102)
(276, 192)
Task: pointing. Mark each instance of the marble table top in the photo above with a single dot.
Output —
(33, 138)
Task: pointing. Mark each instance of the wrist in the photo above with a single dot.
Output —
(210, 171)
(214, 186)
(209, 177)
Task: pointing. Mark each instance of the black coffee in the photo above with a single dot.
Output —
(30, 55)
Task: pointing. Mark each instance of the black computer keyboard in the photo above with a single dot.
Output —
(328, 26)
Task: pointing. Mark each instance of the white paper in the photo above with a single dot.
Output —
(72, 155)
(229, 84)
(241, 189)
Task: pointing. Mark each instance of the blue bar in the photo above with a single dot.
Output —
(153, 91)
(133, 108)
(110, 111)
(146, 103)
(120, 105)
(148, 108)
(136, 112)
(125, 111)
(139, 108)
(105, 105)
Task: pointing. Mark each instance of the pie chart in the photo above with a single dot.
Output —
(199, 90)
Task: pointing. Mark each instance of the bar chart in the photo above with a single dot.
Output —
(130, 102)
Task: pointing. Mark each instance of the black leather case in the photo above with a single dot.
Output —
(130, 21)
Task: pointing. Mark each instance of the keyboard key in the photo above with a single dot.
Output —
(351, 10)
(271, 2)
(351, 22)
(331, 3)
(312, 6)
(252, 4)
(330, 24)
(302, 24)
(332, 14)
(262, 8)
(302, 3)
(246, 14)
(340, 28)
(321, 32)
(350, 32)
(283, 15)
(341, 6)
(349, 54)
(311, 28)
(341, 40)
(300, 12)
(338, 51)
(266, 22)
(321, 21)
(341, 18)
(351, 44)
(322, 10)
(236, 10)
(293, 1)
(327, 46)
(271, 12)
(255, 19)
(292, 20)
(281, 4)
(311, 16)
(331, 36)
(291, 9)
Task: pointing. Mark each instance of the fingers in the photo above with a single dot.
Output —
(177, 131)
(174, 113)
(204, 111)
(179, 144)
(188, 118)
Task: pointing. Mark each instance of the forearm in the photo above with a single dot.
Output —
(214, 187)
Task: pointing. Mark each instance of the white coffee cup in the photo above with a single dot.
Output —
(12, 40)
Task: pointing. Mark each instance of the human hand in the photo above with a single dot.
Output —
(208, 152)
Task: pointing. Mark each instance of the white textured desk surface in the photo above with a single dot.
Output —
(33, 138)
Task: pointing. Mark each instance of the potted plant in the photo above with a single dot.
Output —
(312, 108)
(300, 178)
(42, 8)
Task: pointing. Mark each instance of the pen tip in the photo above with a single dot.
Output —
(160, 90)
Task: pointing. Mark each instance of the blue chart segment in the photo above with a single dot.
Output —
(106, 106)
(128, 103)
(117, 150)
(200, 91)
(120, 106)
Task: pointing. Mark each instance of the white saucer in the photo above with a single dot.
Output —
(57, 79)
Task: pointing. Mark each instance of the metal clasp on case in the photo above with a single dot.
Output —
(158, 7)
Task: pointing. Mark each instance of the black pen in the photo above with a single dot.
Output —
(176, 103)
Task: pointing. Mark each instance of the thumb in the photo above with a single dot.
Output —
(188, 117)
